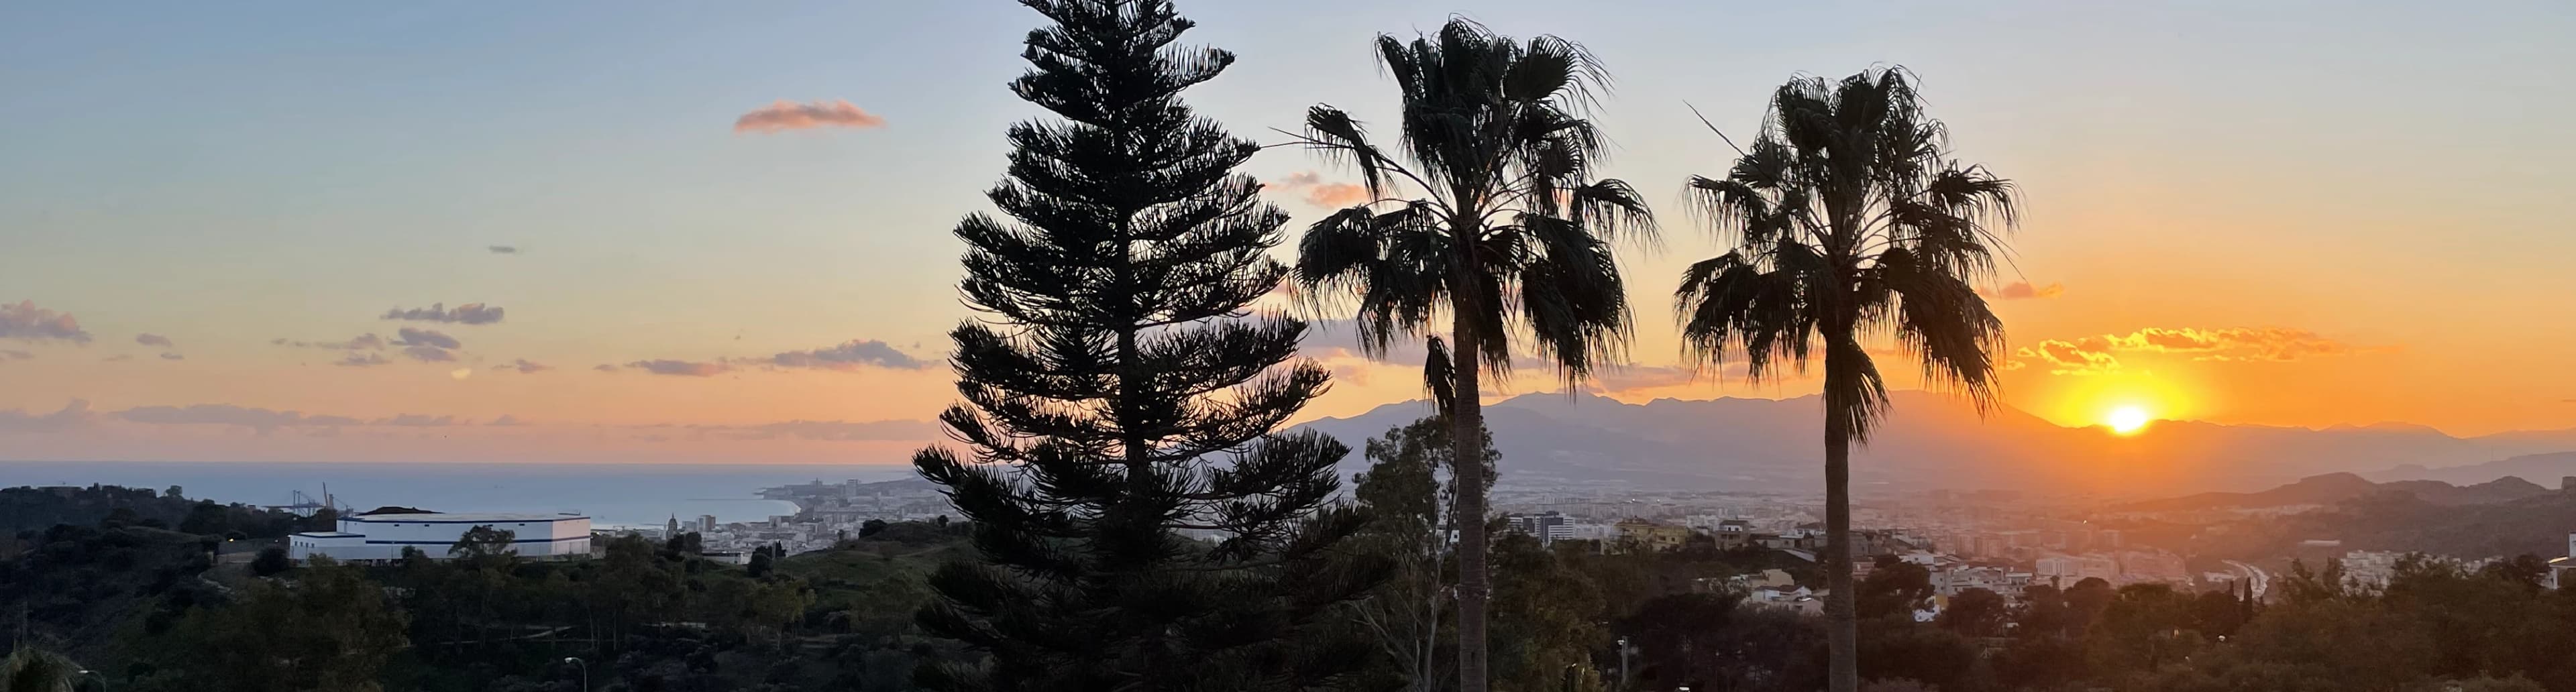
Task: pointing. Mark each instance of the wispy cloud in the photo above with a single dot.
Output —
(1311, 186)
(362, 342)
(470, 313)
(150, 339)
(789, 115)
(680, 367)
(2022, 290)
(523, 366)
(72, 415)
(173, 356)
(507, 420)
(847, 356)
(502, 249)
(362, 359)
(826, 430)
(13, 354)
(2095, 354)
(428, 345)
(2080, 357)
(26, 322)
(421, 420)
(228, 414)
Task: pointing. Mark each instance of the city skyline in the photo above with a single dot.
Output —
(699, 233)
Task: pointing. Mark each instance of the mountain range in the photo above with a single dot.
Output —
(1934, 441)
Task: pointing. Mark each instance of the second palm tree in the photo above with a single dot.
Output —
(1850, 221)
(1485, 213)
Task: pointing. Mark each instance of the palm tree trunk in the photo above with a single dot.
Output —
(1842, 633)
(1467, 440)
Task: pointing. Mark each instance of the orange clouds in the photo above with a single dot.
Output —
(2094, 354)
(788, 115)
(1337, 195)
(1311, 185)
(2020, 290)
(2080, 357)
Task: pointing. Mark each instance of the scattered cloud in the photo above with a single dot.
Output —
(149, 339)
(680, 367)
(1337, 195)
(507, 420)
(12, 354)
(227, 414)
(1312, 187)
(2095, 354)
(2266, 344)
(460, 373)
(604, 367)
(118, 358)
(72, 415)
(363, 359)
(847, 356)
(426, 337)
(834, 430)
(2021, 290)
(26, 322)
(502, 249)
(470, 313)
(786, 115)
(523, 366)
(427, 345)
(419, 420)
(173, 356)
(362, 342)
(2079, 357)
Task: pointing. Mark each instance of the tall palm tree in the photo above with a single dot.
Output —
(1486, 214)
(1850, 222)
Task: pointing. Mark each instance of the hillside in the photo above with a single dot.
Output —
(1934, 441)
(2331, 488)
(2545, 469)
(2537, 525)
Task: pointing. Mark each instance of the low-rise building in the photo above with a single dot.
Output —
(381, 537)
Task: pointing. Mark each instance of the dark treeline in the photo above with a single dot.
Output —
(145, 608)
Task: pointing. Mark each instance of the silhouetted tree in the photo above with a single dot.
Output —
(1406, 493)
(1849, 219)
(1976, 613)
(271, 560)
(871, 527)
(1486, 213)
(29, 669)
(1894, 588)
(1115, 393)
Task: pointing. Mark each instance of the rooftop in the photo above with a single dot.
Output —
(461, 518)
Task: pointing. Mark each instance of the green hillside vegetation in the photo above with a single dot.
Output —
(153, 609)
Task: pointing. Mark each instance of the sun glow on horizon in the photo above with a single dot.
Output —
(2128, 420)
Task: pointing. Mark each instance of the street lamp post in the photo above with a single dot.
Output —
(585, 670)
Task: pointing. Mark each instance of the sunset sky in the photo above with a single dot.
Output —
(715, 232)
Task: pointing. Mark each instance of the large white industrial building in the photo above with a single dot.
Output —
(384, 536)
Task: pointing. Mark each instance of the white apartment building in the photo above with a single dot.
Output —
(384, 536)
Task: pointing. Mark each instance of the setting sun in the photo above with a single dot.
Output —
(2127, 419)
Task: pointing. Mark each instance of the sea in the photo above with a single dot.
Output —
(612, 495)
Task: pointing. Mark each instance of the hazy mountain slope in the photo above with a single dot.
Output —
(1929, 441)
(2545, 469)
(2338, 487)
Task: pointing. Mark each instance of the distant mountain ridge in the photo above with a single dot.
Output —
(1935, 441)
(2332, 488)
